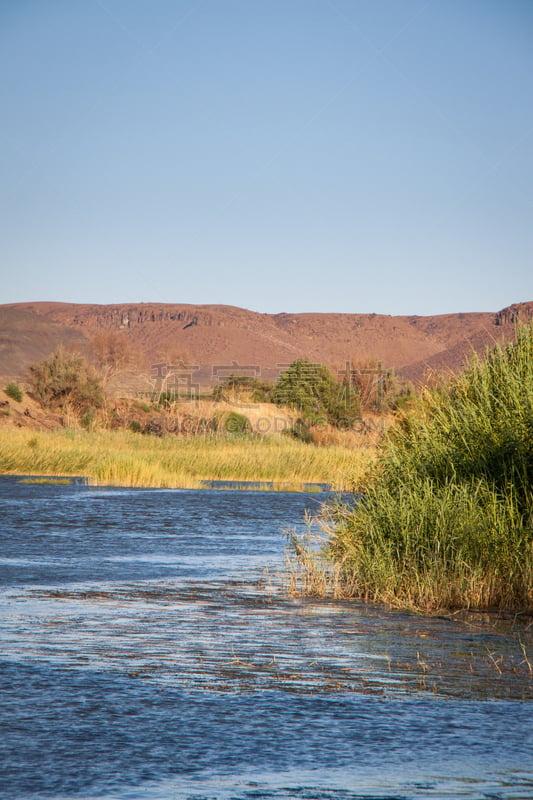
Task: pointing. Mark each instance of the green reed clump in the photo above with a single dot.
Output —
(447, 517)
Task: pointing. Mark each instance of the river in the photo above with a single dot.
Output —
(149, 650)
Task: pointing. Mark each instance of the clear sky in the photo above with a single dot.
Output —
(279, 155)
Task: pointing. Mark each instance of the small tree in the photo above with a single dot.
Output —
(317, 394)
(66, 379)
(112, 350)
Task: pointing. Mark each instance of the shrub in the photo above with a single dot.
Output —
(88, 419)
(66, 379)
(262, 391)
(236, 387)
(14, 391)
(232, 423)
(299, 430)
(142, 406)
(153, 427)
(168, 399)
(447, 516)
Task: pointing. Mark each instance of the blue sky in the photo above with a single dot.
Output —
(279, 155)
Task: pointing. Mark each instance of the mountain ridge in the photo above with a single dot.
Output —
(222, 336)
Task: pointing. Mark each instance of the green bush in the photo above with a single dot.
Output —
(447, 517)
(14, 391)
(232, 423)
(314, 391)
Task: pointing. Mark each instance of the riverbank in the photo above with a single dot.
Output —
(124, 458)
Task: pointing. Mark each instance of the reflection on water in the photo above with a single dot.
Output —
(149, 652)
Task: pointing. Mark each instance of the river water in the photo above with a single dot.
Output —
(149, 650)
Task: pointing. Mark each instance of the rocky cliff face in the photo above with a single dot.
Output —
(121, 317)
(518, 312)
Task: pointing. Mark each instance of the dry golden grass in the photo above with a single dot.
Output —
(123, 458)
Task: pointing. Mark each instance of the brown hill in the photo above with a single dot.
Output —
(218, 340)
(27, 337)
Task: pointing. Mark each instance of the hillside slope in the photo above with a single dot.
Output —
(221, 339)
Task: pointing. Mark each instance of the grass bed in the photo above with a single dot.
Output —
(123, 458)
